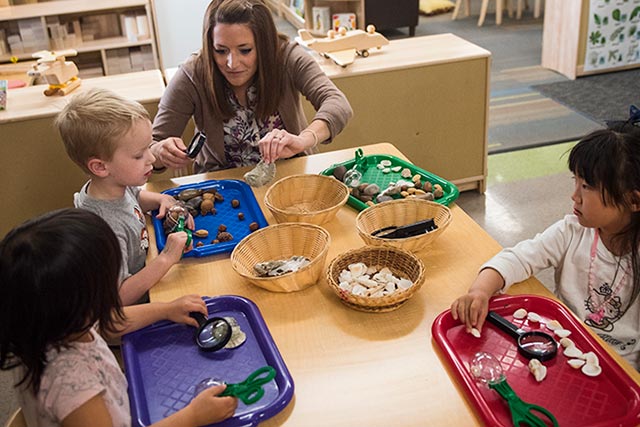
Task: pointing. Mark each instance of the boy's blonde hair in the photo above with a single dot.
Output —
(92, 123)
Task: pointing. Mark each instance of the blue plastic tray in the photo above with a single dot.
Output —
(163, 366)
(225, 214)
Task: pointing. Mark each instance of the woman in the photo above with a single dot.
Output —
(243, 90)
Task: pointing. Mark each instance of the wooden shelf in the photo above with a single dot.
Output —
(64, 7)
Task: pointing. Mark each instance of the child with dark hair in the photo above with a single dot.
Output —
(59, 280)
(595, 250)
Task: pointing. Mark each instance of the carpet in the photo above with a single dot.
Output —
(600, 97)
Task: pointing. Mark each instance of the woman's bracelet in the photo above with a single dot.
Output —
(315, 136)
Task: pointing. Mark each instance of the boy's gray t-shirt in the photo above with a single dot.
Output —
(126, 219)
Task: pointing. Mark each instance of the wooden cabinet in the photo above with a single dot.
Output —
(111, 36)
(428, 96)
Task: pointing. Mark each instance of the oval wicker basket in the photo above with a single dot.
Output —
(282, 241)
(314, 199)
(398, 213)
(402, 263)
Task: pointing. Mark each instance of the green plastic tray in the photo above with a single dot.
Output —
(372, 175)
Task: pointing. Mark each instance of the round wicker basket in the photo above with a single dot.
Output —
(282, 241)
(402, 263)
(314, 199)
(402, 212)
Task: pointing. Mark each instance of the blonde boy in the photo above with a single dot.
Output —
(108, 137)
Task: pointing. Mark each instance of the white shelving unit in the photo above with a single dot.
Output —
(101, 31)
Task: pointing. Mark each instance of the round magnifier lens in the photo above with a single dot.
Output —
(214, 334)
(538, 345)
(205, 384)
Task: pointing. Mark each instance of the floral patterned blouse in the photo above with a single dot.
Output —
(243, 131)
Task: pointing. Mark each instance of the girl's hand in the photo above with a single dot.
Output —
(207, 408)
(280, 144)
(171, 153)
(178, 310)
(471, 309)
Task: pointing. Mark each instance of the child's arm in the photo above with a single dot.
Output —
(137, 284)
(472, 308)
(140, 315)
(206, 408)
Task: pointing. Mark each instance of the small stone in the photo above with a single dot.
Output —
(235, 203)
(240, 216)
(253, 226)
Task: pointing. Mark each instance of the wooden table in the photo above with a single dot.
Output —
(38, 174)
(352, 368)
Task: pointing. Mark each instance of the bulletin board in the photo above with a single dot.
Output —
(178, 28)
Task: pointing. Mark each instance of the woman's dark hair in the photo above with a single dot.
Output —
(270, 72)
(610, 160)
(58, 277)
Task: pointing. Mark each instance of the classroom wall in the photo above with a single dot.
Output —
(178, 29)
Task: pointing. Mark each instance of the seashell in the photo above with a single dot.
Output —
(371, 189)
(357, 269)
(206, 196)
(396, 168)
(345, 276)
(538, 370)
(566, 342)
(438, 191)
(520, 313)
(359, 290)
(385, 163)
(206, 207)
(534, 317)
(201, 233)
(371, 270)
(345, 286)
(562, 333)
(426, 196)
(591, 370)
(553, 325)
(390, 287)
(380, 166)
(189, 193)
(339, 172)
(406, 173)
(475, 332)
(416, 179)
(365, 281)
(591, 358)
(240, 216)
(235, 203)
(576, 363)
(405, 284)
(572, 351)
(253, 226)
(386, 170)
(427, 186)
(224, 236)
(383, 198)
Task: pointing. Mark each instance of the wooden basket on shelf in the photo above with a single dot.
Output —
(402, 264)
(398, 213)
(313, 199)
(278, 242)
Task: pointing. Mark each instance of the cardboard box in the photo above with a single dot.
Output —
(346, 20)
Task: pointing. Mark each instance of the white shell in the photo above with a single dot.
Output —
(357, 269)
(576, 363)
(520, 313)
(572, 351)
(359, 290)
(591, 358)
(553, 325)
(475, 332)
(538, 370)
(534, 317)
(405, 284)
(562, 333)
(591, 370)
(345, 286)
(567, 342)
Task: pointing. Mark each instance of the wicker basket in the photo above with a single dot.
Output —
(314, 199)
(402, 212)
(402, 263)
(282, 241)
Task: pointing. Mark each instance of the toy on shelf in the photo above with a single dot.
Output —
(343, 47)
(62, 75)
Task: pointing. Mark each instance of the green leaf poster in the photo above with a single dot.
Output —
(613, 38)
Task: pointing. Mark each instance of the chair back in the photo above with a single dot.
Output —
(17, 419)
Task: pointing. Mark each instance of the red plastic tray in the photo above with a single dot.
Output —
(610, 399)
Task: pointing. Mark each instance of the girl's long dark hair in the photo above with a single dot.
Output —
(58, 277)
(610, 160)
(269, 77)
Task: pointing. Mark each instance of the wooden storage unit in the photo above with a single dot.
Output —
(565, 36)
(38, 174)
(100, 56)
(429, 96)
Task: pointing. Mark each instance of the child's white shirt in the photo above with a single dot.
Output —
(566, 246)
(72, 377)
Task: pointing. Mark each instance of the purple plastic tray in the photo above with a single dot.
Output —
(225, 214)
(163, 365)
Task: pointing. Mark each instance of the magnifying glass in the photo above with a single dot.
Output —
(196, 144)
(533, 344)
(212, 334)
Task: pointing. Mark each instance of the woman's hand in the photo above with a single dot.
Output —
(178, 310)
(280, 144)
(170, 153)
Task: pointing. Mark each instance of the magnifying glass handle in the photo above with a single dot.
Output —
(200, 318)
(504, 324)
